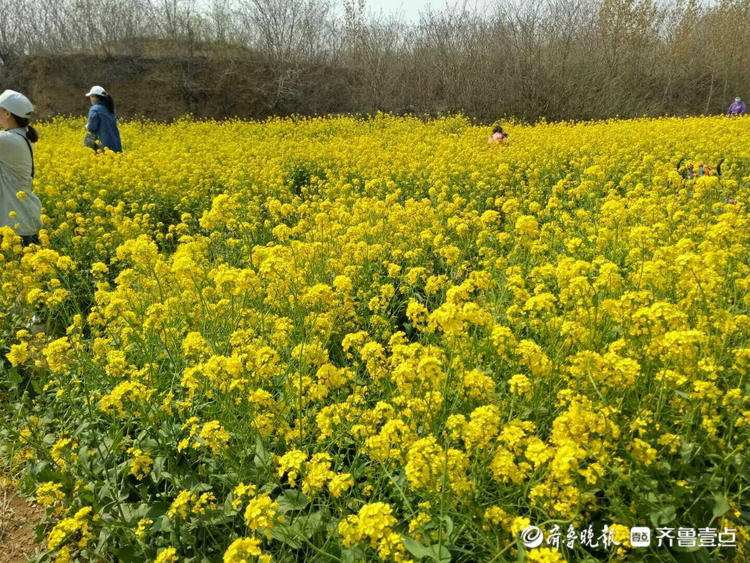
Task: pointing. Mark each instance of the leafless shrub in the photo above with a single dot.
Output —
(557, 59)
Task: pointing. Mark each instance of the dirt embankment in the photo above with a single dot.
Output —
(166, 87)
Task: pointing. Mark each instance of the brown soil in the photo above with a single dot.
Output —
(167, 87)
(18, 517)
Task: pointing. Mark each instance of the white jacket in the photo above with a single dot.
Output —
(15, 176)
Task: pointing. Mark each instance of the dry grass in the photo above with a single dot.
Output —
(6, 514)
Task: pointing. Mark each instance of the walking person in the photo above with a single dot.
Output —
(101, 129)
(736, 108)
(20, 209)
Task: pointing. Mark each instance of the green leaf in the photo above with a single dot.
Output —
(262, 457)
(448, 525)
(306, 526)
(129, 511)
(687, 450)
(721, 505)
(290, 500)
(162, 524)
(415, 548)
(439, 553)
(157, 469)
(662, 516)
(399, 479)
(353, 555)
(692, 555)
(286, 537)
(156, 509)
(127, 553)
(227, 505)
(14, 378)
(103, 493)
(435, 552)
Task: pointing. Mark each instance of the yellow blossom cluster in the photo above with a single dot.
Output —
(357, 339)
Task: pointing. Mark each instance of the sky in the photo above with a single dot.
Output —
(409, 10)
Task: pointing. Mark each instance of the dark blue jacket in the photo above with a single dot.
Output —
(103, 123)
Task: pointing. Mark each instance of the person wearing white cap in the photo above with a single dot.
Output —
(102, 124)
(20, 209)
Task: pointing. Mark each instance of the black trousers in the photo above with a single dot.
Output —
(26, 240)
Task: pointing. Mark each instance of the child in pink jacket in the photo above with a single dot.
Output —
(498, 136)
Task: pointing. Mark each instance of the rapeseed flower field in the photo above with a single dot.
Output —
(341, 339)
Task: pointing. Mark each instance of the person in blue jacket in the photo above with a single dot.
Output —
(102, 125)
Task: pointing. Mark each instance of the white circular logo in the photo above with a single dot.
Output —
(532, 536)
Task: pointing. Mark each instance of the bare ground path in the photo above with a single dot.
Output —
(18, 517)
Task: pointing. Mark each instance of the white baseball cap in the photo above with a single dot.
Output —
(16, 103)
(97, 91)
